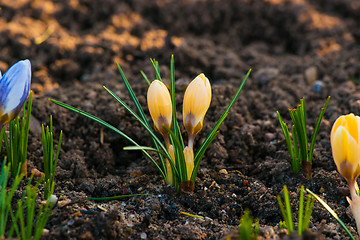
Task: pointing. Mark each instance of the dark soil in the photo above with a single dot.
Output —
(296, 48)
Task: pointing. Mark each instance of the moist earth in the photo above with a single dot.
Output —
(295, 48)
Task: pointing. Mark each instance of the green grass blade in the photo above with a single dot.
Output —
(105, 124)
(155, 65)
(145, 78)
(145, 125)
(282, 210)
(316, 130)
(308, 211)
(116, 197)
(287, 137)
(290, 223)
(296, 162)
(138, 148)
(132, 95)
(301, 211)
(332, 212)
(210, 137)
(176, 127)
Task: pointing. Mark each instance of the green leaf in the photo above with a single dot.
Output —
(213, 132)
(116, 197)
(316, 130)
(105, 124)
(332, 212)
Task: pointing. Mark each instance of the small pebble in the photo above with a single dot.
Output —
(143, 235)
(310, 74)
(318, 86)
(321, 190)
(64, 202)
(53, 200)
(223, 171)
(269, 136)
(45, 232)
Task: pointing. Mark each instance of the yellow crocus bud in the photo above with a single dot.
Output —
(189, 160)
(160, 107)
(345, 144)
(168, 165)
(196, 102)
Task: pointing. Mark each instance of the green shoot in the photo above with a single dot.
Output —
(31, 226)
(248, 229)
(50, 161)
(300, 152)
(332, 212)
(304, 212)
(193, 215)
(6, 196)
(16, 146)
(116, 197)
(173, 165)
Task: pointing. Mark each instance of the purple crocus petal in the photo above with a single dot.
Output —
(14, 88)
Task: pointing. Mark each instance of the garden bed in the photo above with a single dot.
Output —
(296, 48)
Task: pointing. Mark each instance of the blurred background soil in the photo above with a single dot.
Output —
(296, 48)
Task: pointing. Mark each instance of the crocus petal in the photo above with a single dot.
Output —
(196, 102)
(14, 90)
(345, 146)
(160, 107)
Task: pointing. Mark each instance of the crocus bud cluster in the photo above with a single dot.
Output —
(345, 144)
(14, 90)
(196, 102)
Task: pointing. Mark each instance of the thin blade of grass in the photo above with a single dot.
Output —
(282, 210)
(210, 137)
(332, 212)
(287, 137)
(290, 224)
(132, 95)
(156, 69)
(316, 130)
(308, 211)
(158, 144)
(105, 124)
(138, 148)
(145, 78)
(301, 211)
(176, 128)
(296, 164)
(117, 197)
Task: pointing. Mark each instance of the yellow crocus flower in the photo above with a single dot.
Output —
(160, 107)
(196, 102)
(345, 144)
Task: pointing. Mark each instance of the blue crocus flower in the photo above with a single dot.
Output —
(14, 90)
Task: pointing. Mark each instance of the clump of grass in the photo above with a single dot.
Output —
(176, 162)
(50, 160)
(300, 152)
(304, 212)
(248, 228)
(6, 196)
(27, 221)
(17, 142)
